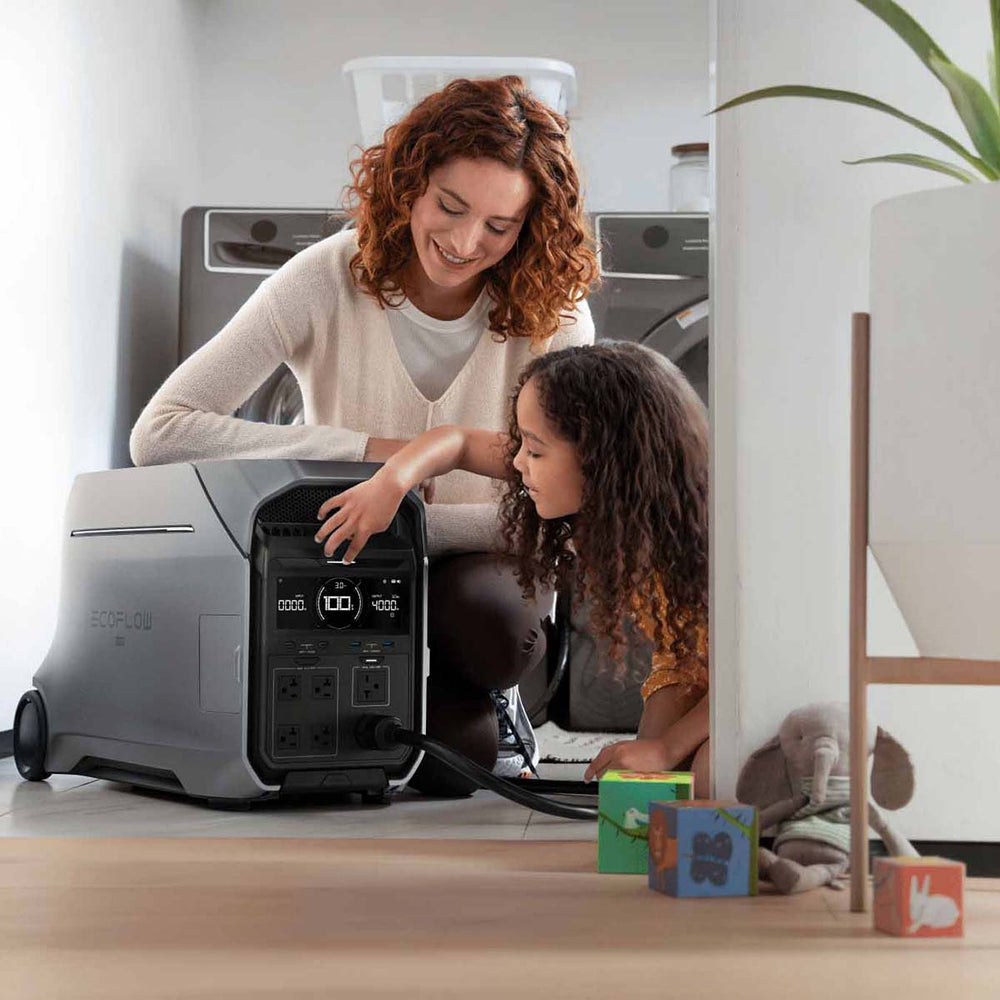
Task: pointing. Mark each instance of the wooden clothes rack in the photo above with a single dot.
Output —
(867, 669)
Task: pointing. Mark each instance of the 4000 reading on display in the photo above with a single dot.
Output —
(372, 603)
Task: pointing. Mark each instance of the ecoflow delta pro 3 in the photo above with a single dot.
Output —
(205, 645)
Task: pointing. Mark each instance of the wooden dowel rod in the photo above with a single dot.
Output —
(859, 612)
(931, 670)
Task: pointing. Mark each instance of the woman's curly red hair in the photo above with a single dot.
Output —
(551, 265)
(640, 538)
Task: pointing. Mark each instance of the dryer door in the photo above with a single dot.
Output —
(277, 401)
(683, 339)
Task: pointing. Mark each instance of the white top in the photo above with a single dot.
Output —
(337, 341)
(433, 351)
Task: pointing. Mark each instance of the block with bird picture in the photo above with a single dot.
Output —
(623, 815)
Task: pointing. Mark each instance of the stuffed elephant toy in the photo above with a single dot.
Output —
(800, 783)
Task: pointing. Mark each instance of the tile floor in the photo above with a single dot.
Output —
(72, 806)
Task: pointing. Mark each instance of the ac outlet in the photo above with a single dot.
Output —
(324, 686)
(287, 738)
(371, 686)
(322, 737)
(289, 687)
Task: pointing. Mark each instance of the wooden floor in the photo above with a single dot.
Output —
(309, 917)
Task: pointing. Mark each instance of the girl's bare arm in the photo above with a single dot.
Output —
(443, 449)
(678, 719)
(687, 733)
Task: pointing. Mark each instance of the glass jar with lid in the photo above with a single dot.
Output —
(689, 178)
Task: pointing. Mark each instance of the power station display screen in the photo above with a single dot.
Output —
(377, 604)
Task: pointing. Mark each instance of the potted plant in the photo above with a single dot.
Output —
(978, 108)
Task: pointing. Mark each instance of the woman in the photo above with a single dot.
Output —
(470, 257)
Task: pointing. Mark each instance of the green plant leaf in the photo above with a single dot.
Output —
(915, 160)
(995, 54)
(976, 109)
(974, 105)
(862, 100)
(992, 66)
(907, 29)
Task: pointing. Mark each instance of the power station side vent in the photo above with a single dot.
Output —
(140, 774)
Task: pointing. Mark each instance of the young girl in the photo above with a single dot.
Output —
(605, 468)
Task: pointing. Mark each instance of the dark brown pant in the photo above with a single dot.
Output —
(482, 634)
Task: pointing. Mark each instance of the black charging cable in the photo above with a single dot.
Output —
(384, 732)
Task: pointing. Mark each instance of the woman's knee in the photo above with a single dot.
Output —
(480, 626)
(463, 717)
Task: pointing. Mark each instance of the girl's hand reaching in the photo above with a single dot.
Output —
(369, 507)
(631, 755)
(359, 512)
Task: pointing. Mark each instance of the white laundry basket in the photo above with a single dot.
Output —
(386, 87)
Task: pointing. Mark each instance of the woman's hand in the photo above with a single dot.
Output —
(360, 512)
(631, 755)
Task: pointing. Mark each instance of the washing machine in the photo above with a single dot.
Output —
(225, 254)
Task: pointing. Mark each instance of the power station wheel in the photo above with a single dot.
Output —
(31, 737)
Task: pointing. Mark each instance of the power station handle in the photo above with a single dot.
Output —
(236, 663)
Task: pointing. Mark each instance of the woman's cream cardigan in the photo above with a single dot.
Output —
(336, 340)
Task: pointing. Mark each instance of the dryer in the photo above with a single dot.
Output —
(654, 291)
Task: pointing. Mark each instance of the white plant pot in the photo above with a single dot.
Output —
(934, 520)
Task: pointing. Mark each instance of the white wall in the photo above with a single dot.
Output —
(278, 118)
(97, 102)
(792, 264)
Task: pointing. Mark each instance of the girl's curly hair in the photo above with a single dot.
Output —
(640, 538)
(552, 263)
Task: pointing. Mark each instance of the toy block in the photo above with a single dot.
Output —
(702, 848)
(623, 814)
(918, 897)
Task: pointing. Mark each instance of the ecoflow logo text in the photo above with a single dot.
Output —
(133, 621)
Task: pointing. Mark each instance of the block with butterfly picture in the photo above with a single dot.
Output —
(702, 848)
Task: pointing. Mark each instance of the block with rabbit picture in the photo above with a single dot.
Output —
(918, 897)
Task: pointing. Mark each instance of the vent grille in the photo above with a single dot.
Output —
(139, 774)
(286, 531)
(298, 505)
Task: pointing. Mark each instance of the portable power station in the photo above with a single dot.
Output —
(206, 646)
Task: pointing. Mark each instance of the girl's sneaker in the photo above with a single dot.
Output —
(517, 749)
